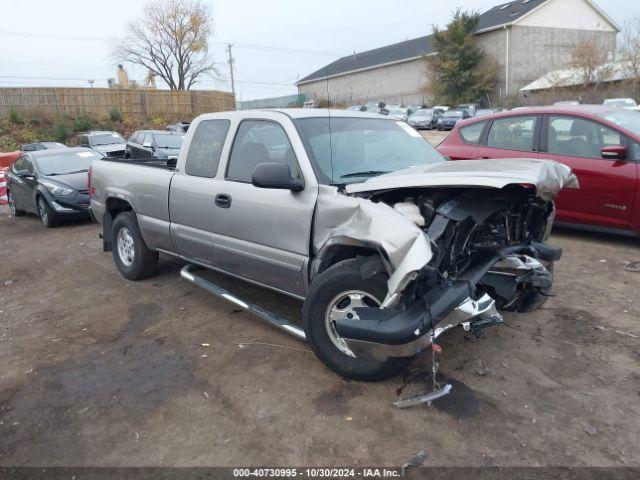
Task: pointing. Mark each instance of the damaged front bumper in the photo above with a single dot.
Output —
(384, 333)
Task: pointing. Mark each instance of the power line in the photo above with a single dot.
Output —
(250, 46)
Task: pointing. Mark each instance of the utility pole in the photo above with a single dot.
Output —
(233, 84)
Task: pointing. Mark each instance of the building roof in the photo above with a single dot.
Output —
(498, 16)
(573, 77)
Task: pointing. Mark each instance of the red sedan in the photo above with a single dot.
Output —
(600, 144)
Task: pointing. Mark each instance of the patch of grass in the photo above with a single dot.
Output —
(15, 117)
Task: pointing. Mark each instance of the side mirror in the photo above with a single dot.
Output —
(615, 152)
(275, 175)
(25, 174)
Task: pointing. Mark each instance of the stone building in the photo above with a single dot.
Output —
(528, 38)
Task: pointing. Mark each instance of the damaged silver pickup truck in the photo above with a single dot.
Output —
(387, 243)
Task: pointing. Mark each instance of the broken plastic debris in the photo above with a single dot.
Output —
(415, 461)
(425, 398)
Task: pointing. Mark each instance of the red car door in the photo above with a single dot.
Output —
(607, 185)
(511, 137)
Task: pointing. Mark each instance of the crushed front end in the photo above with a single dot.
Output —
(488, 252)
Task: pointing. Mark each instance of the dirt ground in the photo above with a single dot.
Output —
(97, 371)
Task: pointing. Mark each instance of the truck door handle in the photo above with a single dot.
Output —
(223, 200)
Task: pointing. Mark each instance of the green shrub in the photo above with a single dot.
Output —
(115, 115)
(62, 131)
(82, 122)
(15, 117)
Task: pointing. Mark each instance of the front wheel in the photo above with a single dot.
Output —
(47, 214)
(131, 255)
(334, 294)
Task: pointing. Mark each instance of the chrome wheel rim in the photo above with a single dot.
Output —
(44, 216)
(12, 204)
(342, 306)
(126, 249)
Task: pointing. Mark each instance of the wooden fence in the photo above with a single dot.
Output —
(100, 101)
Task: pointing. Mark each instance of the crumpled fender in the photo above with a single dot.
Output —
(406, 246)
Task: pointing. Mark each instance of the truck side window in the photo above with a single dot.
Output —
(259, 141)
(204, 153)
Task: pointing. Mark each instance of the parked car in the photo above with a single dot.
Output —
(469, 107)
(154, 144)
(374, 107)
(629, 103)
(52, 184)
(449, 119)
(382, 228)
(109, 144)
(600, 144)
(426, 118)
(414, 108)
(399, 114)
(441, 108)
(484, 111)
(565, 103)
(32, 147)
(180, 127)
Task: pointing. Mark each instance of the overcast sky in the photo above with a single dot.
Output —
(67, 42)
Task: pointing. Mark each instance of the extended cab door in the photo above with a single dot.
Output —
(265, 234)
(510, 137)
(607, 186)
(220, 219)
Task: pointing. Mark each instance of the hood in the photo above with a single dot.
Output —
(77, 181)
(112, 147)
(548, 177)
(421, 118)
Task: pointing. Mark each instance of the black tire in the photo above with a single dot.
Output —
(134, 261)
(343, 277)
(13, 208)
(46, 213)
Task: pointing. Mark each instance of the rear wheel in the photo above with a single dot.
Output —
(334, 294)
(131, 255)
(15, 212)
(46, 213)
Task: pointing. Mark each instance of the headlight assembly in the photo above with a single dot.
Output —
(56, 189)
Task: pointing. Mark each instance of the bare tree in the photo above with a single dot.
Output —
(590, 62)
(630, 52)
(170, 41)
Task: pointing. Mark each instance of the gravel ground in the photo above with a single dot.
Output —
(98, 370)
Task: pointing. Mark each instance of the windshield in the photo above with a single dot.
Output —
(68, 162)
(360, 148)
(424, 113)
(168, 141)
(623, 102)
(452, 114)
(628, 119)
(105, 139)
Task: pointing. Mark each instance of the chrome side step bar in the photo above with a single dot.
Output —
(278, 322)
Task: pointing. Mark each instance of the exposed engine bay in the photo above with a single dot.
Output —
(462, 224)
